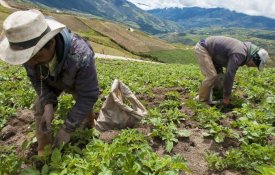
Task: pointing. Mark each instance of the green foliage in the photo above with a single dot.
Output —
(219, 132)
(253, 132)
(10, 163)
(262, 38)
(65, 103)
(250, 123)
(247, 157)
(128, 154)
(265, 170)
(165, 125)
(15, 91)
(209, 118)
(172, 95)
(179, 56)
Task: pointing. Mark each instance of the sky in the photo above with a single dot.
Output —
(250, 7)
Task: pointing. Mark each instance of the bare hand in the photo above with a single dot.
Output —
(226, 101)
(62, 137)
(46, 119)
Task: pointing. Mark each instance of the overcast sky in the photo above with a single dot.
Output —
(250, 7)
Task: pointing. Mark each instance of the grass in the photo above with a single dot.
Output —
(131, 41)
(262, 38)
(98, 48)
(180, 56)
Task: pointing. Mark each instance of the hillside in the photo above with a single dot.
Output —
(262, 38)
(115, 10)
(195, 18)
(113, 38)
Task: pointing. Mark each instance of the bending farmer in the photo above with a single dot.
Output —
(56, 61)
(216, 52)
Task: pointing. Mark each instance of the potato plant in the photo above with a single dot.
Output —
(250, 123)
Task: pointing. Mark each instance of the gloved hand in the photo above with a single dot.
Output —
(62, 137)
(46, 119)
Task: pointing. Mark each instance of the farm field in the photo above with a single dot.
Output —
(178, 136)
(262, 38)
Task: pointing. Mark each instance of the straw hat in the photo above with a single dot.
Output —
(24, 34)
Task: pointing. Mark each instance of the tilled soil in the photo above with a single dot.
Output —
(193, 149)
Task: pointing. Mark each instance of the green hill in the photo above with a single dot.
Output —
(262, 38)
(196, 18)
(113, 38)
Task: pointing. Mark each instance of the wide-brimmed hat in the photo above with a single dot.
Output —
(24, 34)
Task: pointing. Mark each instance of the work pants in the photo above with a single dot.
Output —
(208, 70)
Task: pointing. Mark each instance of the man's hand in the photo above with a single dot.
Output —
(46, 119)
(226, 101)
(62, 137)
(227, 106)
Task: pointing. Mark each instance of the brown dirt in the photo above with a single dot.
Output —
(193, 149)
(18, 129)
(108, 136)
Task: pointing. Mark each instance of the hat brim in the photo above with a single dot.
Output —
(261, 66)
(16, 57)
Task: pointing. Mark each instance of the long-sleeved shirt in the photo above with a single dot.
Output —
(230, 53)
(75, 73)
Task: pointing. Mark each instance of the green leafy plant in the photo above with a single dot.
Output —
(265, 170)
(128, 154)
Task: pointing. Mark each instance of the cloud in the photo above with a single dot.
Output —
(250, 7)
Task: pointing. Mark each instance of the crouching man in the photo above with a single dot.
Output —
(56, 61)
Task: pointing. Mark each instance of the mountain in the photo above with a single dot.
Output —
(195, 17)
(115, 10)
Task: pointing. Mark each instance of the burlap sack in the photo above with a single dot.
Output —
(120, 110)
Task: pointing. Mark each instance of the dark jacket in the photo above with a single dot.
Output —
(230, 53)
(75, 73)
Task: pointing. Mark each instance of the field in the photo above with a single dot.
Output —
(178, 56)
(179, 135)
(262, 38)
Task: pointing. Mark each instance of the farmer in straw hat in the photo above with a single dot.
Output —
(56, 60)
(216, 52)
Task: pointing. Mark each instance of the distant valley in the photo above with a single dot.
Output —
(195, 18)
(115, 10)
(180, 27)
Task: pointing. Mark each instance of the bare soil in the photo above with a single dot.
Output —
(18, 129)
(193, 149)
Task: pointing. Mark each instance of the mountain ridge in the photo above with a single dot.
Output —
(196, 17)
(117, 10)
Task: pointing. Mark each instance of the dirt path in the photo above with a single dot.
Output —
(99, 55)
